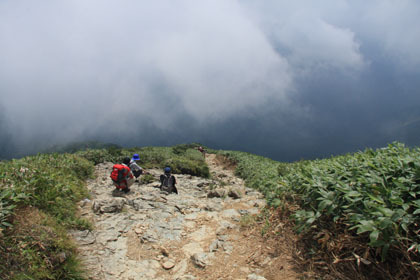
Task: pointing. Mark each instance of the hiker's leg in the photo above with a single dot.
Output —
(126, 189)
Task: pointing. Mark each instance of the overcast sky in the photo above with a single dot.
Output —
(284, 79)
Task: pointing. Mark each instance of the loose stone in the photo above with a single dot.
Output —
(200, 260)
(254, 276)
(168, 264)
(235, 193)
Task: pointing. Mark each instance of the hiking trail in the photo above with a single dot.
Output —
(198, 234)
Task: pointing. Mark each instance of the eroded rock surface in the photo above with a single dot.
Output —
(147, 234)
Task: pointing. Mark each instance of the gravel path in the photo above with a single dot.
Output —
(148, 234)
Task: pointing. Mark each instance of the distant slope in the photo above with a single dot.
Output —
(80, 146)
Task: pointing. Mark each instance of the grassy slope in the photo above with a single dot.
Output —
(38, 196)
(38, 205)
(182, 158)
(353, 209)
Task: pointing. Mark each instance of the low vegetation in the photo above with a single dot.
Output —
(183, 158)
(38, 203)
(358, 214)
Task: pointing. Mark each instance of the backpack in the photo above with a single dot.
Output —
(119, 173)
(168, 183)
(134, 167)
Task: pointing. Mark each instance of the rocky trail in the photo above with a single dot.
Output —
(200, 233)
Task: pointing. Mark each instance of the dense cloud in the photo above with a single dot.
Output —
(286, 80)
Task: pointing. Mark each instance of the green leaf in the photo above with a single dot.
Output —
(6, 224)
(405, 206)
(310, 221)
(386, 211)
(374, 236)
(396, 200)
(324, 204)
(376, 198)
(365, 226)
(416, 202)
(331, 195)
(404, 226)
(353, 194)
(399, 185)
(384, 223)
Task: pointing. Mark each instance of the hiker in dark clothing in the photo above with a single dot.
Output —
(168, 181)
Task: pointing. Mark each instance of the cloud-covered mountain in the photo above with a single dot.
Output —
(284, 79)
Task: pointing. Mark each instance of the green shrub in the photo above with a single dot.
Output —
(183, 159)
(50, 185)
(147, 178)
(180, 149)
(259, 173)
(374, 195)
(186, 166)
(183, 148)
(97, 156)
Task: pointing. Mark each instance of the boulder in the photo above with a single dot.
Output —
(108, 205)
(216, 193)
(235, 193)
(200, 260)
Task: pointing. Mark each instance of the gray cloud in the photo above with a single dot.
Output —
(245, 74)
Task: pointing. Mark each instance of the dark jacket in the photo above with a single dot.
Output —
(167, 183)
